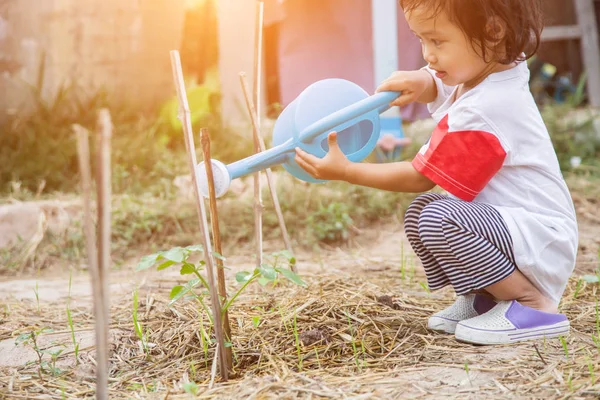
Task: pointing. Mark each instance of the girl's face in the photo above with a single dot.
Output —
(447, 49)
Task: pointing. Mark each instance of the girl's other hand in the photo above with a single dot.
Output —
(332, 167)
(413, 85)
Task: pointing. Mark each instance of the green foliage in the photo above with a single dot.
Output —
(331, 223)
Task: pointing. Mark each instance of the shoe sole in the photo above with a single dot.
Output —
(467, 334)
(439, 324)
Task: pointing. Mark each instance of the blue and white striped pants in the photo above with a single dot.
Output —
(466, 245)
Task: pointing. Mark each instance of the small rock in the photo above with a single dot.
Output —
(387, 301)
(314, 336)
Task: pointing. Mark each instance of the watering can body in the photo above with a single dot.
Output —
(325, 106)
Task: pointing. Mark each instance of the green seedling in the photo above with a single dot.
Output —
(353, 341)
(269, 272)
(564, 345)
(70, 320)
(591, 369)
(578, 288)
(402, 262)
(468, 375)
(191, 388)
(256, 321)
(425, 287)
(31, 339)
(317, 355)
(297, 341)
(139, 330)
(37, 296)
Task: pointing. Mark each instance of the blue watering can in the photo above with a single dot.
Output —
(325, 106)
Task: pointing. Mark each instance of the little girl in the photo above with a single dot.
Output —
(505, 234)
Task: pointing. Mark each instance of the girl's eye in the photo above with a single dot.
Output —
(436, 42)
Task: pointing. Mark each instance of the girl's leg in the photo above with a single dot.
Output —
(472, 245)
(435, 273)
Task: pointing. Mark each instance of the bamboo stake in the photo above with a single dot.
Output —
(104, 192)
(258, 204)
(184, 117)
(258, 137)
(216, 234)
(83, 151)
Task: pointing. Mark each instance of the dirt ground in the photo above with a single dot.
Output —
(427, 365)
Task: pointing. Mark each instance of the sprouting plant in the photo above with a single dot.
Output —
(317, 355)
(425, 287)
(256, 321)
(37, 296)
(352, 340)
(139, 330)
(577, 288)
(591, 369)
(297, 342)
(191, 388)
(31, 339)
(468, 375)
(266, 273)
(564, 345)
(402, 261)
(70, 320)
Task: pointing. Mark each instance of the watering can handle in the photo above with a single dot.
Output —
(377, 101)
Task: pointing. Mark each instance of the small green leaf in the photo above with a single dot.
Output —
(591, 278)
(256, 321)
(187, 269)
(227, 344)
(291, 276)
(263, 281)
(190, 388)
(219, 256)
(177, 254)
(243, 276)
(147, 261)
(268, 272)
(195, 247)
(175, 291)
(165, 265)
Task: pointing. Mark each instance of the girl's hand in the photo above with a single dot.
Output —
(332, 167)
(414, 85)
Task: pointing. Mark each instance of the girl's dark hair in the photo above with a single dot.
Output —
(522, 20)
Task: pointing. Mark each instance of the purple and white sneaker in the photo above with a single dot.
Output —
(510, 322)
(465, 307)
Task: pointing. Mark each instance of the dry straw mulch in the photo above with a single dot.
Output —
(360, 337)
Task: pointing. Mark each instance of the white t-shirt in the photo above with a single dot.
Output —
(491, 146)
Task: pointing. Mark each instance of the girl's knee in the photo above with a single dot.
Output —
(419, 203)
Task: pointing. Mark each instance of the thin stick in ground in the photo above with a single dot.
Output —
(258, 205)
(273, 190)
(184, 116)
(104, 192)
(83, 151)
(216, 233)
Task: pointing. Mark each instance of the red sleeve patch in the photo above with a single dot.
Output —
(460, 162)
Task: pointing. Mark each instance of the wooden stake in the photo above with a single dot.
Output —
(258, 137)
(101, 326)
(104, 195)
(184, 117)
(258, 205)
(216, 234)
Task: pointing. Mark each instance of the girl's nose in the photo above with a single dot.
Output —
(428, 55)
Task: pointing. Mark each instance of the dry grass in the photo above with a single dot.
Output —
(357, 337)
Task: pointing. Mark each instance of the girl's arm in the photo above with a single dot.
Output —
(399, 176)
(396, 177)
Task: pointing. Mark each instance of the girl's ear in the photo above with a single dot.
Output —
(495, 30)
